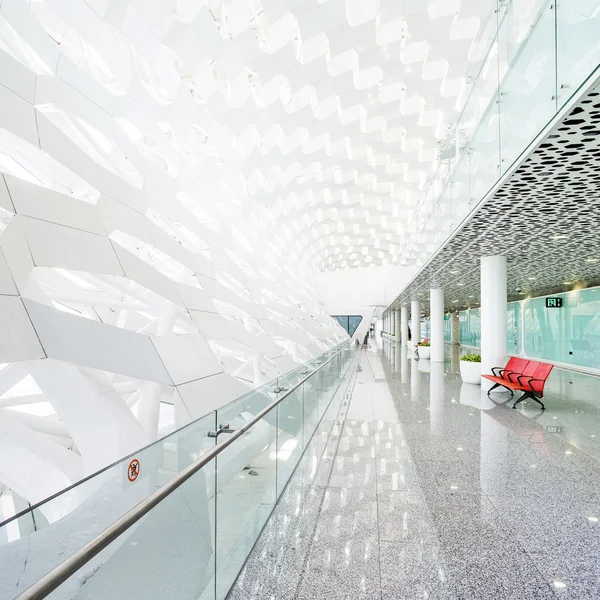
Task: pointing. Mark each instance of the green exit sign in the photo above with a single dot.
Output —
(554, 302)
(554, 429)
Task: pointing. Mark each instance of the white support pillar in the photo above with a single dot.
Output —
(455, 328)
(493, 314)
(436, 312)
(415, 325)
(398, 325)
(404, 325)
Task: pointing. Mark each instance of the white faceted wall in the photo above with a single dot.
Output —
(141, 285)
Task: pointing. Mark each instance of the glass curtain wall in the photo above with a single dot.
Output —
(566, 330)
(447, 328)
(349, 322)
(470, 327)
(531, 57)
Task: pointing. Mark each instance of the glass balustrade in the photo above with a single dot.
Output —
(194, 543)
(530, 59)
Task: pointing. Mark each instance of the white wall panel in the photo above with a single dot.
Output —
(5, 201)
(18, 116)
(54, 245)
(139, 271)
(186, 357)
(74, 339)
(35, 201)
(18, 339)
(16, 77)
(7, 284)
(203, 395)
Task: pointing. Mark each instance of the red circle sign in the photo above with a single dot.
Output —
(133, 470)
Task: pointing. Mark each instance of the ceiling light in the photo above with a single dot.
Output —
(558, 237)
(592, 260)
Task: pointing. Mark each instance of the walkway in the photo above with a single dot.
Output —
(426, 489)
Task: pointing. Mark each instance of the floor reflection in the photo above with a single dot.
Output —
(432, 489)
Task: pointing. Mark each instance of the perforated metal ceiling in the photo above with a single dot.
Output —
(544, 219)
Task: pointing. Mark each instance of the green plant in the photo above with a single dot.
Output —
(425, 344)
(471, 358)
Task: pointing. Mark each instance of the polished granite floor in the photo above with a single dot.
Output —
(424, 488)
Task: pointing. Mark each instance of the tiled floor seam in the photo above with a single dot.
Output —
(528, 554)
(351, 385)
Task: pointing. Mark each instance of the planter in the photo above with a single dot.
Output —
(470, 372)
(424, 352)
(410, 345)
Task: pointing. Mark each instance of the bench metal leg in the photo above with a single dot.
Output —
(526, 396)
(500, 385)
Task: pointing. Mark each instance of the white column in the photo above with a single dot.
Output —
(415, 325)
(398, 325)
(493, 314)
(404, 325)
(436, 311)
(455, 328)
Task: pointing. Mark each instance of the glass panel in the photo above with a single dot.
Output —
(94, 504)
(290, 436)
(349, 322)
(578, 24)
(484, 150)
(470, 327)
(570, 334)
(513, 332)
(169, 553)
(461, 199)
(528, 92)
(343, 321)
(246, 485)
(447, 328)
(353, 323)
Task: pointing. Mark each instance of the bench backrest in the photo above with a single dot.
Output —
(542, 371)
(516, 364)
(530, 369)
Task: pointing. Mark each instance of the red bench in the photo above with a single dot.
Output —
(522, 375)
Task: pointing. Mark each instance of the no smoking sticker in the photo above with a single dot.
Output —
(133, 471)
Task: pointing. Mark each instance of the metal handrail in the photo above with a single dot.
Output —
(62, 572)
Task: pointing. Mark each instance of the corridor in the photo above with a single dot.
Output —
(425, 489)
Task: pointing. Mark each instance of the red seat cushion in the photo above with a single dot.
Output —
(495, 379)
